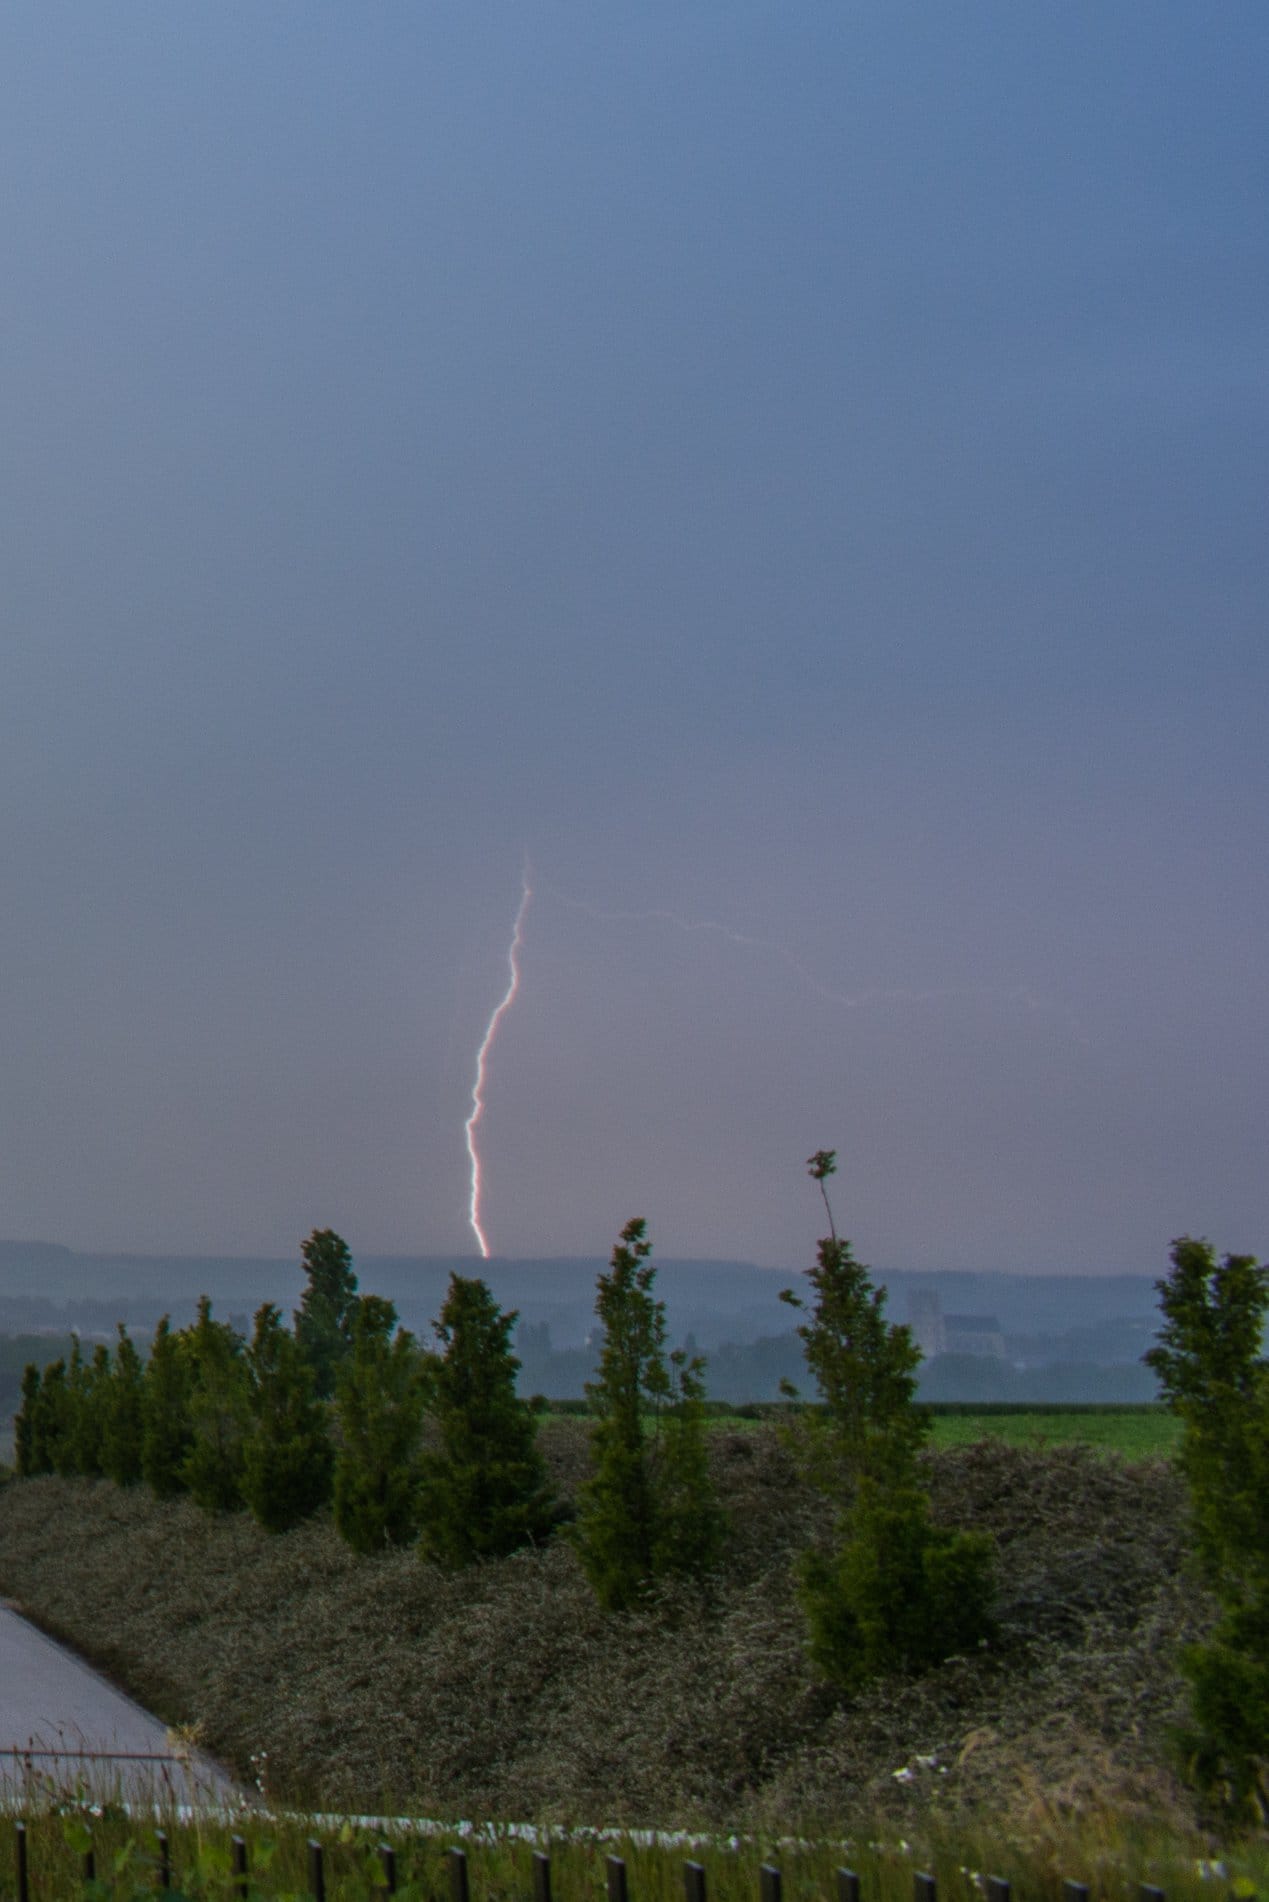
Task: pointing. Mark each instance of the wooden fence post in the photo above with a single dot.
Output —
(541, 1877)
(996, 1889)
(24, 1879)
(164, 1848)
(1075, 1892)
(316, 1870)
(238, 1864)
(924, 1889)
(618, 1889)
(388, 1863)
(90, 1864)
(1148, 1893)
(693, 1882)
(459, 1885)
(847, 1886)
(770, 1883)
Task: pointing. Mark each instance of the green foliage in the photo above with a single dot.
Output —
(29, 1455)
(893, 1591)
(323, 1320)
(49, 1408)
(484, 1493)
(649, 1509)
(123, 1415)
(1213, 1375)
(379, 1411)
(220, 1413)
(167, 1433)
(286, 1460)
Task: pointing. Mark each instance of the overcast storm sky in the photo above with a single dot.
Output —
(794, 470)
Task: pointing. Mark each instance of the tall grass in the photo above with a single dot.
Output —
(1109, 1853)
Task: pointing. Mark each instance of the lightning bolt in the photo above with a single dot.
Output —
(1018, 994)
(482, 1061)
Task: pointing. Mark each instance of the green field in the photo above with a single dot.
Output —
(1131, 1432)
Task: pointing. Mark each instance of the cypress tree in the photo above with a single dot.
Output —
(220, 1413)
(123, 1414)
(28, 1455)
(287, 1453)
(485, 1493)
(1211, 1367)
(323, 1320)
(167, 1429)
(890, 1591)
(49, 1410)
(649, 1508)
(380, 1405)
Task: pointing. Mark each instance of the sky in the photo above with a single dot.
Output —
(794, 475)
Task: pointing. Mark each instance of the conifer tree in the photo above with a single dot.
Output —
(29, 1455)
(484, 1493)
(1211, 1367)
(220, 1412)
(891, 1591)
(167, 1428)
(77, 1449)
(49, 1411)
(323, 1320)
(122, 1412)
(649, 1509)
(379, 1413)
(286, 1467)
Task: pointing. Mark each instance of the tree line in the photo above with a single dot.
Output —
(407, 1444)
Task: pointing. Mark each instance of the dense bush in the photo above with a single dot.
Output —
(504, 1691)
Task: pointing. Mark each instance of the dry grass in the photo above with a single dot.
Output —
(384, 1684)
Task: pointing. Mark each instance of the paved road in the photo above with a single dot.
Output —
(64, 1727)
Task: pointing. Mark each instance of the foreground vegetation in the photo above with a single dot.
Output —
(775, 1631)
(208, 1859)
(387, 1684)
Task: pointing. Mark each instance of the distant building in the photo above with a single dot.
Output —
(973, 1334)
(937, 1333)
(925, 1318)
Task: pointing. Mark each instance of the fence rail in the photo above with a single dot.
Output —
(770, 1881)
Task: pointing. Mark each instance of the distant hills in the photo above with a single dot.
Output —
(730, 1310)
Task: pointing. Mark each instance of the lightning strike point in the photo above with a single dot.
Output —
(472, 1124)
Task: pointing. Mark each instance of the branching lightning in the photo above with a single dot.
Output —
(848, 1000)
(482, 1062)
(1018, 994)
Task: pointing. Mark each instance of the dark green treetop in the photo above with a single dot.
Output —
(484, 1492)
(379, 1408)
(323, 1320)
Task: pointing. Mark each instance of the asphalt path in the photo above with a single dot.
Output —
(66, 1729)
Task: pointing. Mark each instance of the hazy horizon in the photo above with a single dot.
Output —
(795, 478)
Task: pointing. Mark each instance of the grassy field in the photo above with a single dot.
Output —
(130, 1860)
(1132, 1432)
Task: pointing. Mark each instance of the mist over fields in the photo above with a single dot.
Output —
(989, 1337)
